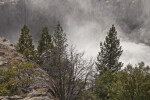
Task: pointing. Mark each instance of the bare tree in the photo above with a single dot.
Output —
(75, 71)
(79, 71)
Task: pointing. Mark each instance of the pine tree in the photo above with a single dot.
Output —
(60, 44)
(108, 57)
(25, 44)
(60, 39)
(45, 42)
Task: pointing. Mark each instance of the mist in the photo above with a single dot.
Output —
(86, 23)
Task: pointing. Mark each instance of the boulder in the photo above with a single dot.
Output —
(3, 61)
(15, 97)
(6, 44)
(4, 98)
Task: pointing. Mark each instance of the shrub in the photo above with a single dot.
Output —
(16, 70)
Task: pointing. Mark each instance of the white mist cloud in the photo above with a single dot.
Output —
(86, 23)
(135, 52)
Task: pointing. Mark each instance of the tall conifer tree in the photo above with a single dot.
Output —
(25, 44)
(60, 40)
(108, 57)
(44, 48)
(60, 44)
(45, 41)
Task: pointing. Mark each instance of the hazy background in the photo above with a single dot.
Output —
(86, 23)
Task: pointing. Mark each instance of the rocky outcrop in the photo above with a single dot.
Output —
(6, 44)
(42, 86)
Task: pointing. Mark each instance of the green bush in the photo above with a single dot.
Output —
(35, 74)
(8, 83)
(24, 80)
(3, 90)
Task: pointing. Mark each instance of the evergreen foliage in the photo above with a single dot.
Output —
(9, 83)
(132, 83)
(108, 57)
(45, 41)
(25, 44)
(44, 49)
(60, 45)
(60, 40)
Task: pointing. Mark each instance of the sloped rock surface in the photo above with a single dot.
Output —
(42, 86)
(3, 61)
(6, 44)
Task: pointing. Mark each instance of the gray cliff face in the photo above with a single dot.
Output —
(42, 86)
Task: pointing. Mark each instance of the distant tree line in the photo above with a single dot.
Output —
(75, 75)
